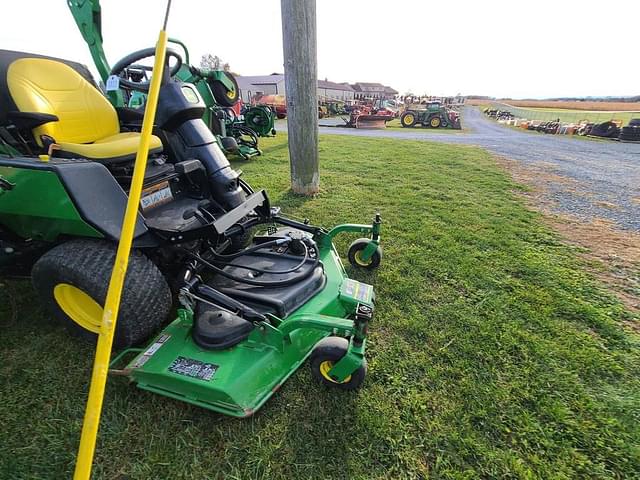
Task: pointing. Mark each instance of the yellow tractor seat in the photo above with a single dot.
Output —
(116, 148)
(87, 124)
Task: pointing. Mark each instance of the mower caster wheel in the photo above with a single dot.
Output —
(355, 255)
(325, 355)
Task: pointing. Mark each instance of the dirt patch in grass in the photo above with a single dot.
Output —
(612, 254)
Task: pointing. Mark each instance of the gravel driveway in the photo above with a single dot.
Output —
(603, 177)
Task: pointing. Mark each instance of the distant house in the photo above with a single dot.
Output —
(274, 85)
(265, 84)
(368, 91)
(390, 92)
(334, 91)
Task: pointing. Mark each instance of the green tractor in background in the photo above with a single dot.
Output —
(336, 108)
(218, 89)
(430, 115)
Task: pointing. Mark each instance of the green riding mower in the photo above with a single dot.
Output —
(430, 115)
(217, 88)
(257, 293)
(254, 122)
(259, 118)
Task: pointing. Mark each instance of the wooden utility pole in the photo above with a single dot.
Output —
(299, 41)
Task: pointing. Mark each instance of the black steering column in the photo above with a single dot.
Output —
(179, 115)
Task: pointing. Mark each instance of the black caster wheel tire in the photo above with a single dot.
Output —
(355, 252)
(325, 355)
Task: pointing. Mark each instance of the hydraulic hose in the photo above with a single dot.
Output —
(231, 256)
(275, 272)
(239, 131)
(255, 283)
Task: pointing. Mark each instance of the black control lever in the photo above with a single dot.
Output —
(6, 184)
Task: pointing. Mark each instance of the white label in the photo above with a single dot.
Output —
(113, 83)
(157, 195)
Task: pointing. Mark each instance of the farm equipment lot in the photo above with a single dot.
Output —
(568, 105)
(604, 176)
(494, 354)
(568, 115)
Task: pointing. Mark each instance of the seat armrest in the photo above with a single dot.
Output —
(30, 119)
(130, 115)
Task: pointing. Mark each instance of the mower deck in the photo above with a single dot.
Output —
(238, 380)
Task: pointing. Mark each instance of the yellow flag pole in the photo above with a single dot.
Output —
(112, 302)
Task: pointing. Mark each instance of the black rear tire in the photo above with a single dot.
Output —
(86, 265)
(223, 96)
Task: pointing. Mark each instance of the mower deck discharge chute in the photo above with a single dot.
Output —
(259, 293)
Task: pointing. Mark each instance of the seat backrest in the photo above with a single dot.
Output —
(46, 86)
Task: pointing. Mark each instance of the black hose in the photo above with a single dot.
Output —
(256, 283)
(275, 272)
(231, 256)
(252, 222)
(232, 116)
(239, 131)
(245, 186)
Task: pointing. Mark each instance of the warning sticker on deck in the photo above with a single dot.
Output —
(144, 358)
(190, 367)
(359, 291)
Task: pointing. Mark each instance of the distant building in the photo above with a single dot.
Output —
(274, 85)
(370, 91)
(335, 91)
(265, 84)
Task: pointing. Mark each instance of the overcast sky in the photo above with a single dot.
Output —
(504, 48)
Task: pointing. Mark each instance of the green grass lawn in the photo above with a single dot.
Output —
(493, 353)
